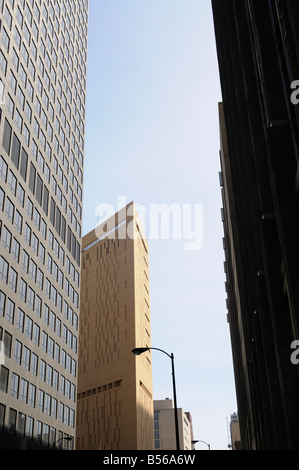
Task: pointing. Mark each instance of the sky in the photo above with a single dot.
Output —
(152, 137)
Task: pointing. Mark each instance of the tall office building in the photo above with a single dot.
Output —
(115, 403)
(258, 54)
(43, 46)
(164, 427)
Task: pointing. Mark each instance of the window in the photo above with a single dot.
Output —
(38, 306)
(24, 391)
(13, 278)
(42, 253)
(18, 352)
(5, 39)
(30, 298)
(3, 269)
(15, 385)
(20, 320)
(32, 270)
(30, 421)
(47, 406)
(21, 195)
(25, 261)
(24, 164)
(3, 380)
(6, 238)
(55, 380)
(3, 168)
(2, 304)
(36, 334)
(28, 327)
(10, 311)
(41, 398)
(6, 137)
(12, 420)
(23, 290)
(2, 197)
(39, 427)
(40, 279)
(54, 408)
(26, 358)
(12, 182)
(42, 370)
(32, 178)
(9, 210)
(27, 234)
(21, 422)
(18, 222)
(49, 375)
(7, 344)
(15, 250)
(34, 243)
(34, 364)
(44, 341)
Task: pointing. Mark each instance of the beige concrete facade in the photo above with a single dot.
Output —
(43, 49)
(164, 426)
(235, 432)
(115, 397)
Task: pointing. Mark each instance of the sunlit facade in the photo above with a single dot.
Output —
(115, 391)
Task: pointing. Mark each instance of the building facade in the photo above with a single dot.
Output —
(43, 47)
(258, 54)
(115, 404)
(235, 432)
(164, 427)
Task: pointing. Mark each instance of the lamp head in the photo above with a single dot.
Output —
(138, 351)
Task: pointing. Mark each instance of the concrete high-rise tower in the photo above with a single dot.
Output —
(115, 397)
(43, 56)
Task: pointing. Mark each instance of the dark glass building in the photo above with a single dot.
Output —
(258, 54)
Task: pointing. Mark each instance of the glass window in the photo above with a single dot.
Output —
(10, 311)
(15, 250)
(29, 426)
(3, 269)
(20, 320)
(34, 364)
(6, 238)
(13, 279)
(2, 303)
(3, 382)
(41, 398)
(23, 391)
(18, 352)
(15, 385)
(26, 358)
(12, 419)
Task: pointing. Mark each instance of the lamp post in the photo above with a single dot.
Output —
(137, 352)
(67, 438)
(194, 442)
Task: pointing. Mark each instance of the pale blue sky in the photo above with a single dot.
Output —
(152, 136)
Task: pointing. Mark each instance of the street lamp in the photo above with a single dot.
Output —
(137, 352)
(67, 438)
(194, 442)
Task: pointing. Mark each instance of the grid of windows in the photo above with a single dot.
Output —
(43, 47)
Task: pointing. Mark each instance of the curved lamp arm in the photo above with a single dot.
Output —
(137, 352)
